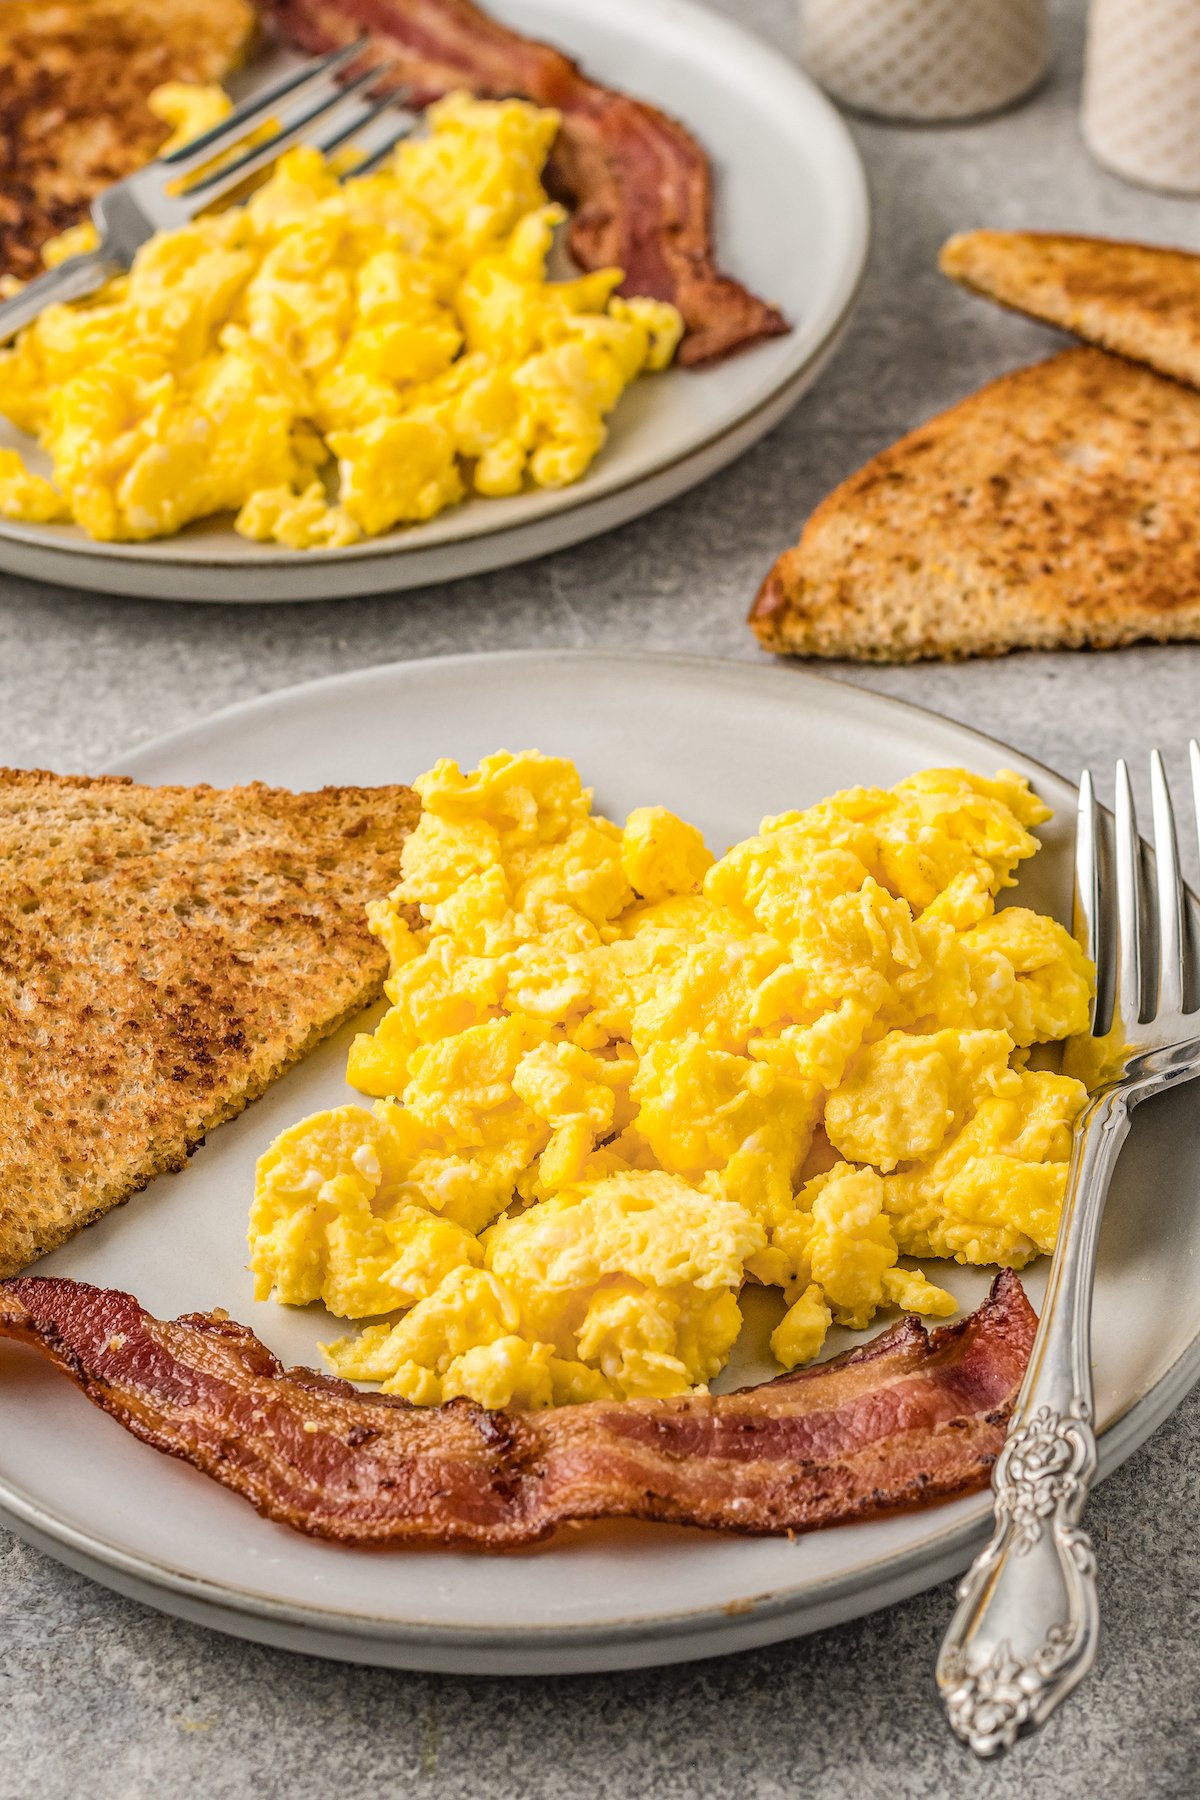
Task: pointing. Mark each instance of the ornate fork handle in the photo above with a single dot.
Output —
(1025, 1629)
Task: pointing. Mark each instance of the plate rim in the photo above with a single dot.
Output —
(948, 1546)
(248, 561)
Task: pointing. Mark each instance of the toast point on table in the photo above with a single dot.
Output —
(1053, 509)
(1140, 300)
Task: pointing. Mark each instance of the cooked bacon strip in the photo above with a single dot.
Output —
(639, 182)
(907, 1419)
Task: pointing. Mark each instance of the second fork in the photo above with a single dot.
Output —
(152, 199)
(1025, 1629)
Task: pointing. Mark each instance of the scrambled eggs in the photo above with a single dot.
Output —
(333, 358)
(617, 1078)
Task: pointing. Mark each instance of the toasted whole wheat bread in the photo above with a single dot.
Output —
(74, 77)
(1140, 300)
(1056, 508)
(165, 953)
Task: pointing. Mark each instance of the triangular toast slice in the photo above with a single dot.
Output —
(1054, 509)
(165, 953)
(1140, 300)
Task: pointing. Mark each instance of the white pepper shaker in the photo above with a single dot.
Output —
(1141, 91)
(925, 60)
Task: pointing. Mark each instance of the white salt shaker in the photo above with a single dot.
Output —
(1141, 91)
(926, 60)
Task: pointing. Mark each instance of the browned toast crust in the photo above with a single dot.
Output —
(1056, 508)
(1141, 300)
(165, 953)
(74, 77)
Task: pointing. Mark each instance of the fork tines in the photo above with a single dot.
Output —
(261, 106)
(1139, 937)
(316, 82)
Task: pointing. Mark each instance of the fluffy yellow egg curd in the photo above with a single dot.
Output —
(618, 1079)
(334, 358)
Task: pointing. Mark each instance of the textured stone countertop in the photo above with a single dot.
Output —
(103, 1697)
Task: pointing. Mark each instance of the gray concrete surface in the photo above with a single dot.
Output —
(101, 1697)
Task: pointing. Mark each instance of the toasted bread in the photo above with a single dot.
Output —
(1140, 300)
(1054, 509)
(165, 953)
(74, 78)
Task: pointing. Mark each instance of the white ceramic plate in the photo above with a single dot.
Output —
(722, 744)
(791, 221)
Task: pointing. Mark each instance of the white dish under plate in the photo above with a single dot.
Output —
(722, 744)
(791, 221)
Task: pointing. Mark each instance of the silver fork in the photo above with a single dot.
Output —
(176, 188)
(1025, 1629)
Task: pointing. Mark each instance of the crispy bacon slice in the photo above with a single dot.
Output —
(640, 184)
(909, 1418)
